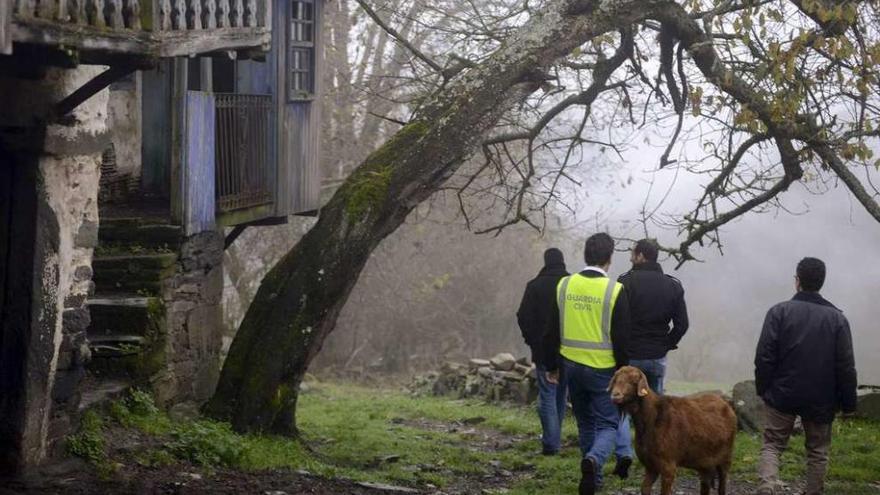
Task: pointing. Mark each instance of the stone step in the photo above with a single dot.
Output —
(123, 314)
(132, 358)
(97, 392)
(132, 273)
(139, 232)
(116, 346)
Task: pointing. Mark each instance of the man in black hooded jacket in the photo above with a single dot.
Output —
(804, 366)
(534, 315)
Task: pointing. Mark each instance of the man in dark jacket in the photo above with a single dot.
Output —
(535, 312)
(655, 301)
(804, 366)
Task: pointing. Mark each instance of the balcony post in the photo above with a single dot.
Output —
(235, 13)
(131, 14)
(209, 14)
(114, 11)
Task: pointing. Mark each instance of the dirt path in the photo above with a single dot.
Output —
(77, 478)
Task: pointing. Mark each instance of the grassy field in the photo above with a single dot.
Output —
(458, 446)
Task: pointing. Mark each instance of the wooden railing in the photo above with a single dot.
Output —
(157, 27)
(245, 175)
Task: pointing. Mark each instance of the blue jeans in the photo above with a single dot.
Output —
(551, 410)
(597, 417)
(654, 370)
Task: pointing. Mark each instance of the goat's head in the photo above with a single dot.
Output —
(627, 385)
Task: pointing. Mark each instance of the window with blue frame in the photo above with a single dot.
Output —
(301, 50)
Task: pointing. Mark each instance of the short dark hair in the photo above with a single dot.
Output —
(647, 248)
(598, 249)
(811, 273)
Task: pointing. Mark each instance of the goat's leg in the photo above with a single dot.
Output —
(706, 479)
(722, 478)
(648, 481)
(667, 479)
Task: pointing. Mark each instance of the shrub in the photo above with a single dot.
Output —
(207, 443)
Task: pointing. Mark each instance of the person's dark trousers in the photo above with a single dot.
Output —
(551, 410)
(597, 417)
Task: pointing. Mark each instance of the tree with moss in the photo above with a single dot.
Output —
(769, 93)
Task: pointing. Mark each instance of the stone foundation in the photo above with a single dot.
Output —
(192, 297)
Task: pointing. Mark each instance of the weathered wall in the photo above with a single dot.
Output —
(124, 124)
(247, 261)
(192, 298)
(64, 163)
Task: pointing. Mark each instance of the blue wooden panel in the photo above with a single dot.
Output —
(199, 163)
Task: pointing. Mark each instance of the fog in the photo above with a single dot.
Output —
(435, 291)
(728, 295)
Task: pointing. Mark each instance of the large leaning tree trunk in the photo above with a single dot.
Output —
(298, 302)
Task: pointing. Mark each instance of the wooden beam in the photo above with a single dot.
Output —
(236, 231)
(150, 43)
(89, 89)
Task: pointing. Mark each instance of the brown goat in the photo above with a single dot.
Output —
(695, 432)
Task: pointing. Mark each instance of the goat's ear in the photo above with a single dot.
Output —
(643, 385)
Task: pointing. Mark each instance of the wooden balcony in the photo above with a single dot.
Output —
(150, 28)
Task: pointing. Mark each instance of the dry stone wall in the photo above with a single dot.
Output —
(503, 378)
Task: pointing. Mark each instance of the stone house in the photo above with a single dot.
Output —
(138, 138)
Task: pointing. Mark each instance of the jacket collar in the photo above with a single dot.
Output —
(812, 297)
(553, 269)
(650, 266)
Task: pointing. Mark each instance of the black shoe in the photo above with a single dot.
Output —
(549, 452)
(588, 477)
(621, 469)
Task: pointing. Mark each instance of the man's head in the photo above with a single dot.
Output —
(645, 251)
(598, 250)
(810, 275)
(553, 256)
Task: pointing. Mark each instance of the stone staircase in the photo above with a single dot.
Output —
(128, 330)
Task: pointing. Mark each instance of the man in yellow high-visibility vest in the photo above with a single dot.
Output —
(587, 339)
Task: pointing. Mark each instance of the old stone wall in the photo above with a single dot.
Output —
(192, 297)
(61, 161)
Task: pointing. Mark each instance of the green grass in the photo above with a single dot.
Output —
(388, 436)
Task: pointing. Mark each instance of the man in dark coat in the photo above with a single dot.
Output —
(804, 366)
(535, 311)
(656, 300)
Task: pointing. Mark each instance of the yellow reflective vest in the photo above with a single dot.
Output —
(585, 308)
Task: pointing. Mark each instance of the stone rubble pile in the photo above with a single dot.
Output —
(502, 378)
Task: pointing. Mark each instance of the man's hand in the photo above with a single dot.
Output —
(552, 377)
